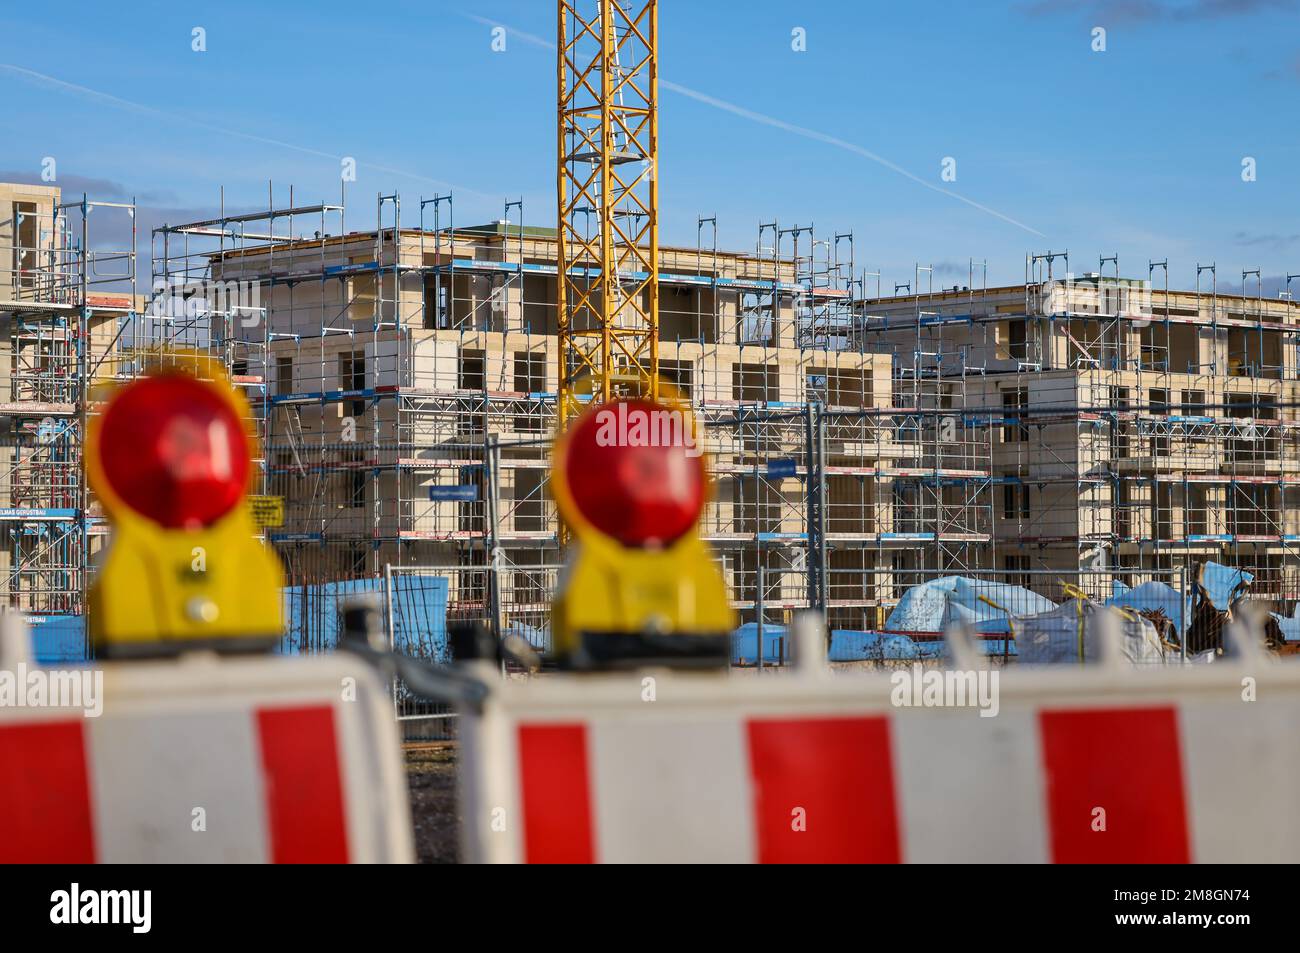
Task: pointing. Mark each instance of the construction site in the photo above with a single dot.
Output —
(1094, 429)
(1099, 429)
(368, 529)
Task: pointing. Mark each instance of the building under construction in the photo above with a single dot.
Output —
(1136, 428)
(404, 379)
(64, 300)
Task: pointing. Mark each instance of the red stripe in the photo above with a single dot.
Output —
(45, 811)
(834, 778)
(555, 784)
(1127, 763)
(304, 785)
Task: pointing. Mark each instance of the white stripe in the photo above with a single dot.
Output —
(376, 807)
(1242, 771)
(488, 788)
(150, 771)
(970, 789)
(671, 791)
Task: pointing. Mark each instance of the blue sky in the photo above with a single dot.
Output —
(1136, 150)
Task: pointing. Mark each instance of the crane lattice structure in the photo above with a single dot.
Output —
(608, 260)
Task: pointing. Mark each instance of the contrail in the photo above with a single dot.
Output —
(781, 124)
(86, 92)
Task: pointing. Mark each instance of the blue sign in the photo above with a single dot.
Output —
(781, 468)
(21, 513)
(461, 493)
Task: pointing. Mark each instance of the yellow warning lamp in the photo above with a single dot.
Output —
(171, 458)
(640, 586)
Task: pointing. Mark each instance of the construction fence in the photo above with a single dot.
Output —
(895, 618)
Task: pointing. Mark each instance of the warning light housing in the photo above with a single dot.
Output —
(170, 457)
(640, 586)
(646, 492)
(174, 451)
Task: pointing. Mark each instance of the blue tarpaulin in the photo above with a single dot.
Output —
(850, 646)
(744, 644)
(539, 637)
(1154, 595)
(419, 614)
(311, 613)
(57, 639)
(311, 620)
(932, 606)
(1290, 627)
(1219, 581)
(847, 645)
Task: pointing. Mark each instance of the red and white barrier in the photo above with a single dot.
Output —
(209, 759)
(1077, 766)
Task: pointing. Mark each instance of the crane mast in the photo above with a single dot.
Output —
(607, 188)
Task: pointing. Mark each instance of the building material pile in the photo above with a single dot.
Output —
(981, 604)
(1073, 632)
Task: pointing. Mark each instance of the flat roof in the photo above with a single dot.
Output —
(1001, 291)
(495, 230)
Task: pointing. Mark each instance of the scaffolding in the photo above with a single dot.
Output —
(1135, 429)
(405, 384)
(404, 380)
(67, 280)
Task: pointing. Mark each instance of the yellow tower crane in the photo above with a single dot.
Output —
(608, 288)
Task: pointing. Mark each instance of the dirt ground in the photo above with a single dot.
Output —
(431, 780)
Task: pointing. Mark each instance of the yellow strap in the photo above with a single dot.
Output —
(1073, 591)
(1078, 609)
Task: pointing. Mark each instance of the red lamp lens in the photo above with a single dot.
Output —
(174, 451)
(635, 472)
